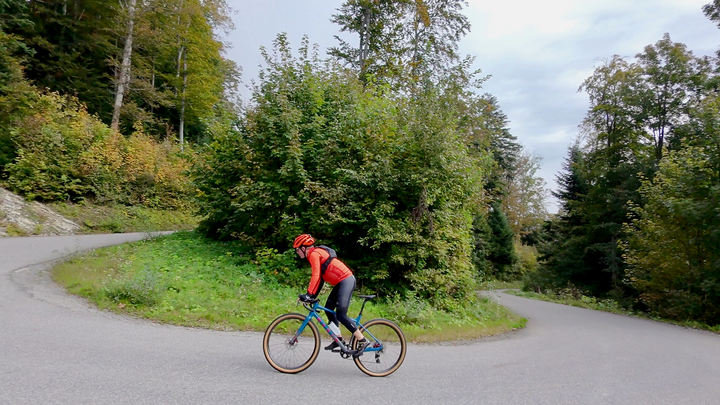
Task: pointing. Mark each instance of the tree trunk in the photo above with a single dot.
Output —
(182, 104)
(125, 67)
(181, 51)
(364, 42)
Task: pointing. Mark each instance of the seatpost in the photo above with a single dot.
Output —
(363, 306)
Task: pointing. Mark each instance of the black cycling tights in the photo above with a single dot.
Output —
(340, 298)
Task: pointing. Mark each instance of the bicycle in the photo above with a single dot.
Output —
(292, 342)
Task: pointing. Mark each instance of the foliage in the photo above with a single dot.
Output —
(712, 11)
(401, 41)
(637, 111)
(524, 203)
(141, 290)
(388, 181)
(527, 259)
(50, 142)
(672, 245)
(64, 153)
(76, 48)
(15, 91)
(502, 145)
(501, 249)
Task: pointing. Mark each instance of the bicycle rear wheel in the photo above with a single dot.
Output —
(285, 349)
(387, 350)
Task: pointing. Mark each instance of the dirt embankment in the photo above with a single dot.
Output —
(22, 218)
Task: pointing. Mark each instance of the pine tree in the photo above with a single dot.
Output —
(501, 252)
(562, 254)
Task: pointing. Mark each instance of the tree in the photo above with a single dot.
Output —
(376, 22)
(672, 243)
(198, 69)
(401, 41)
(712, 11)
(124, 75)
(525, 199)
(436, 28)
(15, 91)
(501, 248)
(672, 81)
(157, 62)
(636, 111)
(503, 146)
(72, 42)
(562, 250)
(613, 154)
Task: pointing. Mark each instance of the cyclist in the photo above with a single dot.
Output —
(326, 267)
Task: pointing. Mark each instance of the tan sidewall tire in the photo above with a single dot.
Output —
(268, 333)
(403, 345)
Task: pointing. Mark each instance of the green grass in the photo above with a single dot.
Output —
(489, 285)
(185, 279)
(607, 305)
(120, 219)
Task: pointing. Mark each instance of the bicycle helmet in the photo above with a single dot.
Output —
(303, 240)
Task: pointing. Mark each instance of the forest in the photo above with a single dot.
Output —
(385, 148)
(640, 189)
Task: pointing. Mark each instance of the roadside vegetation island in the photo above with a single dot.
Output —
(126, 116)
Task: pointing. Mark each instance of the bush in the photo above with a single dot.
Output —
(66, 154)
(144, 289)
(527, 260)
(284, 267)
(409, 310)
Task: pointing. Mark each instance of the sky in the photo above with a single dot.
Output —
(537, 53)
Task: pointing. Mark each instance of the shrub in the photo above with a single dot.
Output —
(144, 289)
(66, 154)
(527, 260)
(282, 266)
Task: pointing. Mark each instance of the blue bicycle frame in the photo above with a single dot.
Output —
(313, 313)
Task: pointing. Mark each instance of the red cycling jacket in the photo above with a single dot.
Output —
(335, 273)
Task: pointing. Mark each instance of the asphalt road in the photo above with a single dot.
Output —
(57, 349)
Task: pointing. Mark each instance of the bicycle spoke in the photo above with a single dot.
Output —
(285, 353)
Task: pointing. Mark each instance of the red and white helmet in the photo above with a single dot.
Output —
(303, 240)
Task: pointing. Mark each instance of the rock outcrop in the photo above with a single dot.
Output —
(19, 218)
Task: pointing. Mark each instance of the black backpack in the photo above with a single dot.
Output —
(333, 256)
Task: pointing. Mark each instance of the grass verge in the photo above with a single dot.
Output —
(489, 285)
(607, 305)
(185, 279)
(122, 219)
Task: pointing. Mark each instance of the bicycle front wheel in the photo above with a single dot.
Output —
(387, 350)
(287, 350)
